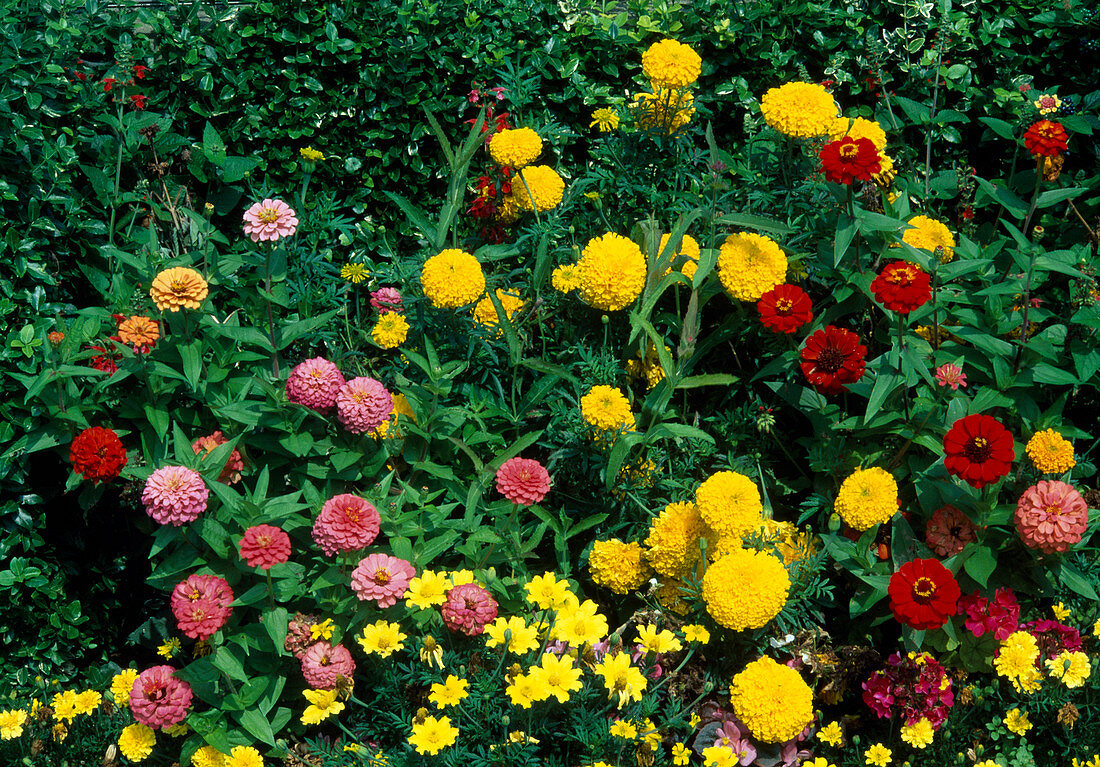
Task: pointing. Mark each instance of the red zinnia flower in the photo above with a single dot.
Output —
(523, 481)
(849, 159)
(978, 449)
(1046, 139)
(833, 358)
(923, 594)
(264, 545)
(902, 287)
(97, 454)
(785, 308)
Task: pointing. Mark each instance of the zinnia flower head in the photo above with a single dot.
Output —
(97, 454)
(923, 594)
(141, 333)
(671, 64)
(469, 607)
(902, 287)
(1046, 139)
(323, 664)
(538, 187)
(749, 265)
(269, 221)
(928, 234)
(867, 497)
(1050, 452)
(523, 480)
(800, 110)
(850, 159)
(949, 531)
(382, 578)
(451, 279)
(314, 383)
(362, 404)
(387, 300)
(857, 128)
(264, 546)
(516, 147)
(346, 523)
(159, 698)
(174, 495)
(231, 471)
(772, 700)
(745, 589)
(299, 635)
(1051, 516)
(391, 330)
(201, 604)
(612, 272)
(621, 567)
(950, 375)
(178, 288)
(832, 358)
(978, 449)
(785, 308)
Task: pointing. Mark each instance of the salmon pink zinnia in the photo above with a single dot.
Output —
(269, 221)
(159, 698)
(468, 609)
(201, 604)
(314, 384)
(231, 471)
(265, 545)
(382, 578)
(346, 523)
(1051, 516)
(523, 481)
(363, 404)
(174, 495)
(323, 664)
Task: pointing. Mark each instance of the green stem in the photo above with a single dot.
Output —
(901, 372)
(118, 179)
(270, 318)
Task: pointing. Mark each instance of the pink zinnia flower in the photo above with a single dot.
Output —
(363, 404)
(523, 481)
(270, 220)
(468, 609)
(948, 531)
(323, 664)
(314, 383)
(265, 545)
(999, 616)
(951, 375)
(382, 578)
(346, 523)
(174, 495)
(299, 635)
(1051, 516)
(231, 472)
(201, 604)
(158, 698)
(387, 300)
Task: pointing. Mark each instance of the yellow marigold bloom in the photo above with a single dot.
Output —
(867, 497)
(244, 756)
(322, 630)
(688, 252)
(383, 638)
(877, 755)
(524, 638)
(1016, 661)
(772, 699)
(929, 234)
(648, 369)
(623, 728)
(485, 313)
(427, 590)
(64, 706)
(672, 546)
(545, 185)
(178, 288)
(170, 647)
(606, 407)
(431, 653)
(138, 331)
(121, 685)
(525, 690)
(566, 278)
(87, 701)
(670, 595)
(680, 754)
(799, 110)
(831, 734)
(606, 119)
(432, 735)
(886, 174)
(508, 211)
(580, 624)
(819, 761)
(309, 154)
(618, 566)
(612, 272)
(1050, 452)
(649, 734)
(391, 330)
(176, 730)
(136, 742)
(858, 128)
(208, 756)
(1073, 668)
(693, 632)
(671, 64)
(546, 591)
(749, 265)
(557, 676)
(1017, 721)
(623, 681)
(729, 503)
(11, 723)
(658, 642)
(919, 734)
(993, 763)
(719, 756)
(745, 589)
(451, 279)
(1061, 612)
(516, 147)
(59, 732)
(666, 111)
(322, 705)
(450, 693)
(353, 273)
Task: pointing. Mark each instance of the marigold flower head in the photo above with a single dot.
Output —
(687, 253)
(831, 734)
(322, 705)
(346, 523)
(657, 641)
(772, 700)
(606, 408)
(729, 503)
(309, 154)
(978, 449)
(452, 278)
(624, 682)
(207, 756)
(557, 676)
(391, 330)
(877, 755)
(612, 272)
(159, 698)
(178, 288)
(264, 546)
(314, 384)
(469, 607)
(174, 495)
(450, 692)
(382, 578)
(323, 664)
(515, 147)
(672, 546)
(1051, 516)
(363, 404)
(867, 497)
(671, 64)
(606, 119)
(523, 480)
(928, 234)
(201, 604)
(546, 591)
(11, 723)
(618, 566)
(136, 742)
(1016, 721)
(524, 638)
(566, 278)
(269, 221)
(665, 111)
(431, 735)
(857, 128)
(1050, 452)
(139, 332)
(1073, 668)
(800, 110)
(749, 265)
(382, 638)
(579, 624)
(97, 454)
(745, 589)
(1046, 139)
(121, 684)
(538, 187)
(243, 756)
(1016, 661)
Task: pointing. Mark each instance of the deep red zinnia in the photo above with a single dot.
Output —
(785, 308)
(833, 358)
(923, 594)
(1046, 139)
(978, 449)
(849, 159)
(902, 287)
(97, 454)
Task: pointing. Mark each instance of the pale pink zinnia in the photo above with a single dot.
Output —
(231, 472)
(314, 383)
(468, 609)
(382, 578)
(265, 545)
(1051, 516)
(948, 531)
(346, 523)
(363, 404)
(387, 300)
(270, 220)
(323, 664)
(951, 375)
(201, 604)
(174, 495)
(523, 481)
(158, 698)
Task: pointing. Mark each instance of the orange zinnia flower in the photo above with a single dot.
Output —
(139, 332)
(178, 288)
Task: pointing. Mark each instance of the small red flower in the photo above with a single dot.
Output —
(97, 454)
(140, 71)
(902, 287)
(785, 308)
(108, 83)
(1046, 139)
(979, 450)
(138, 100)
(849, 159)
(923, 594)
(80, 75)
(967, 213)
(833, 358)
(106, 360)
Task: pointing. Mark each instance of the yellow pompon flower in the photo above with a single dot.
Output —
(857, 128)
(618, 566)
(136, 742)
(605, 408)
(524, 638)
(1016, 721)
(322, 630)
(207, 756)
(11, 723)
(929, 234)
(1016, 661)
(772, 699)
(658, 642)
(427, 590)
(624, 682)
(353, 273)
(831, 734)
(680, 754)
(566, 278)
(516, 148)
(886, 175)
(580, 624)
(64, 706)
(178, 288)
(391, 330)
(800, 110)
(606, 119)
(623, 728)
(540, 183)
(919, 734)
(244, 756)
(745, 589)
(557, 676)
(546, 591)
(1073, 668)
(672, 545)
(612, 272)
(878, 755)
(719, 756)
(485, 314)
(431, 653)
(729, 503)
(689, 251)
(666, 111)
(671, 64)
(122, 684)
(450, 693)
(867, 497)
(451, 279)
(169, 649)
(431, 735)
(693, 632)
(648, 368)
(460, 577)
(749, 265)
(309, 154)
(322, 705)
(87, 701)
(1050, 452)
(382, 637)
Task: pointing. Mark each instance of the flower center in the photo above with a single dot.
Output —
(268, 216)
(1054, 509)
(830, 360)
(381, 576)
(924, 588)
(783, 305)
(263, 541)
(178, 285)
(849, 151)
(978, 450)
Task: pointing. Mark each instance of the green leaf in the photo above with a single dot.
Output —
(1054, 196)
(213, 146)
(1000, 127)
(981, 565)
(845, 233)
(228, 663)
(417, 218)
(1048, 374)
(1072, 578)
(884, 386)
(1010, 201)
(710, 379)
(275, 622)
(257, 725)
(759, 223)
